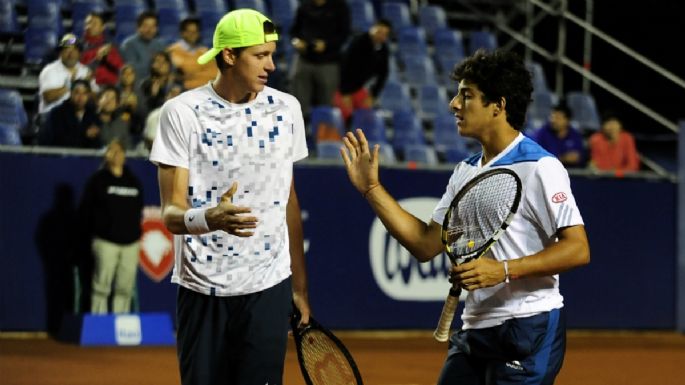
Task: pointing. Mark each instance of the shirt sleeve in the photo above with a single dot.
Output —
(172, 141)
(549, 197)
(300, 150)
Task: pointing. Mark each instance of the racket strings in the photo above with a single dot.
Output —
(480, 213)
(326, 364)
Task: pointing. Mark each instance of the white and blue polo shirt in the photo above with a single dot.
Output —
(547, 205)
(254, 144)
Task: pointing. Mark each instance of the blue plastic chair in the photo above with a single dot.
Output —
(411, 41)
(394, 96)
(445, 134)
(169, 21)
(9, 135)
(419, 70)
(329, 149)
(432, 18)
(371, 122)
(218, 6)
(8, 18)
(407, 129)
(258, 5)
(482, 39)
(361, 14)
(449, 49)
(283, 13)
(397, 13)
(420, 153)
(432, 100)
(12, 111)
(329, 116)
(583, 110)
(39, 43)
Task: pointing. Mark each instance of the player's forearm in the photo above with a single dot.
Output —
(173, 215)
(571, 251)
(410, 231)
(296, 240)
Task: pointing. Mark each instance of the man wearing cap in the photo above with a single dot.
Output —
(225, 154)
(54, 81)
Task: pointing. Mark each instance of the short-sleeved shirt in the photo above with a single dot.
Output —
(254, 144)
(547, 205)
(57, 75)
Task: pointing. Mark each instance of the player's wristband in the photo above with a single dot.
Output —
(195, 221)
(506, 271)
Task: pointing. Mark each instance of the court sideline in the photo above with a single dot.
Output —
(384, 358)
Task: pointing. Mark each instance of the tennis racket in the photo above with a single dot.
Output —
(323, 358)
(477, 217)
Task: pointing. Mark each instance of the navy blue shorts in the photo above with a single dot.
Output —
(520, 351)
(238, 340)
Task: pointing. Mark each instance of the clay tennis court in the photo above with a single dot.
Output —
(384, 358)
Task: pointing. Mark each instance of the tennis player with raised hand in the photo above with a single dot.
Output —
(513, 323)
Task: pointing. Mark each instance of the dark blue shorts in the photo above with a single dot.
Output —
(238, 340)
(526, 351)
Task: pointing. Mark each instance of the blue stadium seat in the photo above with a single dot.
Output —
(538, 75)
(411, 41)
(540, 108)
(8, 18)
(397, 13)
(385, 152)
(407, 129)
(39, 43)
(169, 21)
(215, 6)
(329, 150)
(371, 122)
(420, 153)
(394, 96)
(179, 5)
(208, 21)
(419, 70)
(482, 39)
(9, 135)
(432, 18)
(455, 154)
(432, 100)
(44, 15)
(79, 11)
(12, 110)
(583, 110)
(449, 49)
(283, 13)
(328, 117)
(446, 135)
(125, 16)
(361, 14)
(258, 5)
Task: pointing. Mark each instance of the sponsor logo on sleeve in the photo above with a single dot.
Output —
(559, 197)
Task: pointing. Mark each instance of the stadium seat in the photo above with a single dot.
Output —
(39, 43)
(208, 21)
(8, 18)
(125, 16)
(455, 154)
(179, 5)
(538, 75)
(397, 13)
(329, 149)
(432, 18)
(432, 100)
(283, 13)
(371, 122)
(361, 15)
(214, 6)
(394, 96)
(411, 41)
(419, 70)
(169, 21)
(9, 135)
(583, 110)
(482, 39)
(44, 16)
(12, 111)
(258, 5)
(540, 108)
(449, 49)
(420, 153)
(446, 136)
(385, 152)
(326, 123)
(407, 129)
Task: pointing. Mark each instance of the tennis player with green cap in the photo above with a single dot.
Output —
(225, 154)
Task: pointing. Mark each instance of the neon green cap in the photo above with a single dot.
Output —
(240, 28)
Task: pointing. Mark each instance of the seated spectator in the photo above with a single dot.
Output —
(111, 125)
(184, 54)
(152, 121)
(99, 53)
(613, 148)
(365, 59)
(54, 81)
(138, 48)
(131, 99)
(561, 139)
(161, 77)
(74, 123)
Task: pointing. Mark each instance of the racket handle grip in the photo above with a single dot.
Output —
(442, 331)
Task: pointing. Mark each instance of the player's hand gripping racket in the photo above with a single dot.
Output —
(477, 217)
(323, 358)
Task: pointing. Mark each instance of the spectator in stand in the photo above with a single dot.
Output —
(613, 148)
(161, 78)
(111, 208)
(131, 99)
(139, 48)
(319, 31)
(184, 54)
(111, 125)
(54, 81)
(561, 139)
(99, 54)
(74, 123)
(365, 58)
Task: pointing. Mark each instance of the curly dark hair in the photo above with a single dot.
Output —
(499, 74)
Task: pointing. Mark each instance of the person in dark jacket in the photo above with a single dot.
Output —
(319, 31)
(111, 208)
(365, 59)
(74, 123)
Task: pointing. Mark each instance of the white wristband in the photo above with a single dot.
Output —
(506, 271)
(195, 221)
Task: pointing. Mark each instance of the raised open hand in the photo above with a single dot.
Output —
(361, 164)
